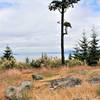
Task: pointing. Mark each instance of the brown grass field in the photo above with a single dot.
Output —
(41, 90)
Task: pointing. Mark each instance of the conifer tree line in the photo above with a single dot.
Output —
(88, 51)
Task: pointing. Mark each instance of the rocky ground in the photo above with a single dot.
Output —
(77, 83)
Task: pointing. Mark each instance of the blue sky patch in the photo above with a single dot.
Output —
(91, 4)
(5, 5)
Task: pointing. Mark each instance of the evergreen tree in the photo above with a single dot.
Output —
(94, 53)
(70, 56)
(77, 52)
(83, 50)
(7, 53)
(27, 60)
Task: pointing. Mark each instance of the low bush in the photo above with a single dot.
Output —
(46, 62)
(22, 65)
(35, 64)
(6, 64)
(74, 62)
(55, 62)
(10, 64)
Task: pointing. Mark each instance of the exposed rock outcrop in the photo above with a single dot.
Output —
(65, 82)
(94, 79)
(16, 93)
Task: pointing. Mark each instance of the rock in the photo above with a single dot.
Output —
(72, 82)
(94, 80)
(10, 93)
(13, 93)
(16, 93)
(37, 77)
(25, 85)
(65, 82)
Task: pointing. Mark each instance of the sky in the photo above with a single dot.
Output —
(28, 26)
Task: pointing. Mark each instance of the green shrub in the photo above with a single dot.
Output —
(35, 63)
(6, 64)
(55, 62)
(9, 64)
(74, 62)
(46, 62)
(22, 65)
(50, 62)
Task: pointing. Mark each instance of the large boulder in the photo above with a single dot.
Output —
(37, 77)
(25, 85)
(16, 93)
(11, 93)
(94, 79)
(72, 82)
(65, 82)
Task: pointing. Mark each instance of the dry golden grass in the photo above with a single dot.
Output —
(41, 89)
(86, 92)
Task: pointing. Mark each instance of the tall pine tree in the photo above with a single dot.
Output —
(81, 51)
(83, 48)
(76, 52)
(93, 49)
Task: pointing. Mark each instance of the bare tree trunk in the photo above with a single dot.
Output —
(62, 37)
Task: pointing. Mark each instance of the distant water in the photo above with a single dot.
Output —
(35, 55)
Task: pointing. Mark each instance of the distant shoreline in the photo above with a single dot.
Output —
(35, 55)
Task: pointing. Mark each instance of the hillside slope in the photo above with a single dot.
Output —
(41, 89)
